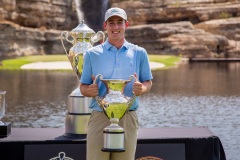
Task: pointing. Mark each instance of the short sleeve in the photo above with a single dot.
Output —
(87, 70)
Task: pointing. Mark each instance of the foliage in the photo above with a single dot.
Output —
(225, 15)
(176, 3)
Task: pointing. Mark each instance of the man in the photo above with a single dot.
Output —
(114, 59)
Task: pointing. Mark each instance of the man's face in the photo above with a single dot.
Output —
(115, 27)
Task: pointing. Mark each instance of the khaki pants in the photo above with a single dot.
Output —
(97, 123)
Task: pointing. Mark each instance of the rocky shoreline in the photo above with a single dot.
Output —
(192, 28)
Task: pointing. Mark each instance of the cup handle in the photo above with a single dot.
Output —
(133, 77)
(135, 80)
(65, 35)
(134, 96)
(95, 80)
(96, 37)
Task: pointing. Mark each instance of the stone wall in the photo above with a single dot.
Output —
(49, 14)
(31, 27)
(18, 41)
(192, 28)
(166, 11)
(179, 38)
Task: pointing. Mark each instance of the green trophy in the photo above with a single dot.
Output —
(114, 104)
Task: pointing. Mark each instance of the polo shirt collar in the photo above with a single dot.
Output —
(109, 45)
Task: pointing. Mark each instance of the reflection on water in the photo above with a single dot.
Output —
(220, 79)
(220, 114)
(37, 99)
(198, 94)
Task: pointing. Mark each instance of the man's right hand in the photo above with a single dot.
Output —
(90, 90)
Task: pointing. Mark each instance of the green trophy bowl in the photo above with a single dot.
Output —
(114, 104)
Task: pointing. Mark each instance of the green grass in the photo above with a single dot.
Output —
(15, 64)
(168, 61)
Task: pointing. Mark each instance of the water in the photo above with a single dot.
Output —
(198, 94)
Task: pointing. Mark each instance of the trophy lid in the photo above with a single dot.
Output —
(82, 28)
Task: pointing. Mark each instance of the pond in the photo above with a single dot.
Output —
(195, 94)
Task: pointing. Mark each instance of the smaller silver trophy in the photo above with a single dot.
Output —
(5, 127)
(82, 38)
(114, 104)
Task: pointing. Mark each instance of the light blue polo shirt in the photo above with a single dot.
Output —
(113, 63)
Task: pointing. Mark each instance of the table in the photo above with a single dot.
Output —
(195, 143)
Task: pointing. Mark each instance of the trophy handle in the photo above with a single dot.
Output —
(130, 101)
(133, 77)
(96, 37)
(95, 82)
(65, 35)
(98, 76)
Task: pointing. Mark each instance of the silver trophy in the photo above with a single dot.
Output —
(5, 127)
(114, 104)
(77, 117)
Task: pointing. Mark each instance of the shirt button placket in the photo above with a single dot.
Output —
(117, 59)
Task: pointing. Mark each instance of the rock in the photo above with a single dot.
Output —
(176, 38)
(192, 28)
(18, 41)
(54, 14)
(172, 38)
(228, 27)
(195, 11)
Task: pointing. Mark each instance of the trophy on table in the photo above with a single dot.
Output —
(5, 127)
(114, 104)
(78, 115)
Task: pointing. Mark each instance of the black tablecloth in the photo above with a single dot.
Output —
(199, 143)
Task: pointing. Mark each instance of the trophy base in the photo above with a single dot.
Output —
(77, 116)
(113, 150)
(76, 124)
(75, 136)
(5, 129)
